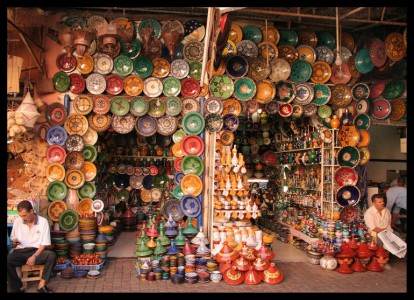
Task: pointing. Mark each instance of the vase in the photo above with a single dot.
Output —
(335, 122)
(215, 276)
(328, 262)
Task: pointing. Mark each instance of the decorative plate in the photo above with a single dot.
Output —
(153, 87)
(310, 109)
(288, 37)
(98, 122)
(324, 111)
(131, 50)
(321, 72)
(244, 89)
(180, 68)
(381, 108)
(150, 23)
(143, 66)
(345, 176)
(156, 194)
(167, 125)
(252, 33)
(139, 106)
(297, 111)
(348, 214)
(177, 163)
(341, 95)
(266, 91)
(193, 123)
(301, 70)
(322, 94)
(231, 106)
(85, 64)
(95, 84)
(347, 40)
(74, 142)
(213, 105)
(56, 135)
(394, 46)
(268, 50)
(363, 62)
(348, 195)
(68, 220)
(230, 122)
(226, 137)
(123, 124)
(83, 104)
(192, 145)
(103, 64)
(87, 190)
(76, 124)
(172, 207)
(55, 209)
(146, 195)
(285, 91)
(377, 52)
(178, 136)
(305, 93)
(340, 74)
(195, 70)
(192, 164)
(285, 110)
(90, 171)
(236, 34)
(96, 22)
(272, 107)
(237, 66)
(74, 22)
(258, 69)
(77, 83)
(352, 68)
(247, 49)
(174, 105)
(288, 53)
(190, 206)
(191, 184)
(307, 37)
(348, 156)
(190, 105)
(364, 139)
(326, 38)
(324, 53)
(190, 87)
(253, 106)
(270, 34)
(56, 190)
(364, 154)
(398, 109)
(114, 84)
(97, 205)
(362, 106)
(156, 107)
(171, 86)
(348, 135)
(74, 160)
(56, 154)
(119, 106)
(221, 86)
(135, 181)
(360, 91)
(214, 122)
(61, 82)
(133, 85)
(193, 50)
(56, 114)
(123, 65)
(55, 171)
(146, 125)
(362, 121)
(161, 67)
(393, 89)
(377, 88)
(306, 53)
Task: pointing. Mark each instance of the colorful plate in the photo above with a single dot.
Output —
(395, 47)
(285, 110)
(362, 121)
(214, 122)
(362, 106)
(77, 83)
(99, 122)
(56, 154)
(193, 123)
(307, 37)
(114, 84)
(340, 74)
(123, 65)
(119, 106)
(301, 70)
(193, 50)
(363, 62)
(56, 114)
(221, 86)
(61, 82)
(143, 66)
(178, 136)
(270, 34)
(364, 154)
(259, 69)
(191, 184)
(153, 87)
(74, 160)
(348, 214)
(83, 104)
(95, 83)
(381, 108)
(348, 195)
(190, 206)
(55, 171)
(398, 109)
(103, 64)
(68, 220)
(192, 144)
(174, 105)
(288, 37)
(133, 85)
(56, 190)
(226, 137)
(348, 135)
(237, 66)
(231, 106)
(76, 124)
(266, 91)
(146, 125)
(190, 105)
(253, 33)
(172, 208)
(74, 142)
(341, 95)
(161, 67)
(190, 87)
(195, 70)
(177, 164)
(101, 104)
(56, 135)
(306, 53)
(85, 64)
(55, 209)
(192, 164)
(180, 68)
(377, 52)
(360, 91)
(393, 89)
(167, 125)
(345, 176)
(230, 122)
(364, 139)
(247, 49)
(66, 63)
(288, 53)
(322, 94)
(213, 105)
(321, 72)
(285, 91)
(268, 50)
(74, 179)
(324, 111)
(348, 156)
(90, 171)
(171, 86)
(324, 53)
(236, 34)
(87, 190)
(156, 107)
(305, 93)
(138, 106)
(123, 124)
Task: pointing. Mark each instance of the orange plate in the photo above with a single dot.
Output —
(146, 195)
(231, 106)
(89, 169)
(236, 33)
(191, 184)
(76, 124)
(364, 138)
(321, 72)
(55, 172)
(55, 209)
(176, 150)
(273, 35)
(85, 64)
(133, 85)
(85, 206)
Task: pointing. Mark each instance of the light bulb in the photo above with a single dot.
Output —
(338, 60)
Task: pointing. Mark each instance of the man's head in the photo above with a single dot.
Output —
(25, 210)
(401, 181)
(378, 201)
(384, 186)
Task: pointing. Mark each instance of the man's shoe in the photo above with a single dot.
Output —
(387, 266)
(44, 289)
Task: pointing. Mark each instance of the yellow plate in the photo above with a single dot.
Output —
(161, 67)
(236, 33)
(191, 184)
(226, 137)
(321, 72)
(55, 209)
(268, 50)
(176, 150)
(230, 48)
(85, 64)
(273, 35)
(83, 104)
(90, 137)
(74, 179)
(220, 70)
(89, 169)
(146, 195)
(266, 91)
(364, 138)
(76, 124)
(85, 207)
(232, 106)
(55, 172)
(133, 85)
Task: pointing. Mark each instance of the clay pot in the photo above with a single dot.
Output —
(252, 276)
(363, 251)
(265, 253)
(241, 264)
(226, 252)
(215, 276)
(357, 266)
(233, 276)
(335, 122)
(272, 275)
(374, 265)
(328, 262)
(261, 264)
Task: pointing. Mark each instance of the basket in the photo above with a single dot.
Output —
(62, 266)
(87, 267)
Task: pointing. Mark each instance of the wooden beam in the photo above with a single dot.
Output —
(25, 35)
(31, 53)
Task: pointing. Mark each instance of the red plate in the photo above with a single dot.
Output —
(101, 104)
(345, 176)
(56, 154)
(340, 74)
(153, 170)
(192, 144)
(56, 114)
(376, 89)
(114, 84)
(381, 109)
(270, 158)
(177, 164)
(77, 83)
(190, 87)
(285, 110)
(348, 214)
(377, 52)
(65, 63)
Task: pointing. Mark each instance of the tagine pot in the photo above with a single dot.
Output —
(272, 275)
(233, 276)
(241, 264)
(226, 252)
(252, 276)
(374, 265)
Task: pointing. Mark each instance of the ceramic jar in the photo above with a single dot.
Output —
(328, 262)
(335, 122)
(215, 276)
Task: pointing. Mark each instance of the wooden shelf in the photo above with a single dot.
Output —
(297, 150)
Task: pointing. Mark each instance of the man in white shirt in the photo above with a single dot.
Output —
(377, 217)
(30, 235)
(396, 199)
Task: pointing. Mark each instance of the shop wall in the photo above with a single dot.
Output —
(385, 145)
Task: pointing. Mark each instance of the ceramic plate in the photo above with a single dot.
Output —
(99, 122)
(55, 171)
(177, 164)
(74, 160)
(174, 105)
(285, 91)
(360, 91)
(66, 63)
(180, 68)
(352, 68)
(133, 85)
(89, 169)
(306, 53)
(307, 37)
(214, 122)
(193, 123)
(191, 184)
(236, 34)
(268, 50)
(322, 94)
(161, 67)
(394, 46)
(123, 124)
(68, 220)
(171, 86)
(324, 111)
(55, 209)
(301, 70)
(190, 206)
(280, 70)
(132, 50)
(304, 93)
(230, 122)
(398, 109)
(123, 65)
(237, 66)
(143, 66)
(348, 156)
(288, 37)
(230, 49)
(244, 89)
(119, 106)
(272, 107)
(172, 207)
(56, 135)
(192, 164)
(348, 214)
(76, 124)
(153, 87)
(87, 190)
(345, 176)
(61, 81)
(340, 74)
(139, 106)
(56, 190)
(285, 110)
(167, 125)
(348, 135)
(123, 195)
(213, 105)
(247, 48)
(252, 33)
(77, 83)
(377, 52)
(362, 106)
(259, 69)
(114, 84)
(232, 106)
(348, 195)
(178, 136)
(221, 86)
(56, 154)
(381, 108)
(85, 64)
(364, 138)
(363, 62)
(156, 108)
(56, 114)
(95, 83)
(324, 53)
(364, 154)
(195, 70)
(226, 137)
(193, 50)
(393, 89)
(341, 95)
(321, 72)
(83, 104)
(190, 87)
(97, 205)
(310, 109)
(146, 125)
(101, 104)
(190, 105)
(362, 121)
(103, 64)
(192, 145)
(74, 142)
(266, 91)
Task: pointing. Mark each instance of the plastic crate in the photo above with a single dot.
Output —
(87, 267)
(61, 267)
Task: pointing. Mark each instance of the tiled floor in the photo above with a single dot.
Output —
(119, 276)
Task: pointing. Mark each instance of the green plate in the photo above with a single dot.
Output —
(324, 111)
(68, 220)
(123, 195)
(253, 33)
(143, 66)
(244, 89)
(192, 164)
(288, 37)
(123, 65)
(157, 108)
(119, 106)
(88, 190)
(363, 62)
(193, 123)
(61, 82)
(348, 156)
(89, 153)
(171, 86)
(56, 190)
(178, 192)
(221, 86)
(322, 94)
(131, 50)
(393, 89)
(174, 105)
(362, 121)
(301, 70)
(195, 70)
(139, 106)
(150, 23)
(326, 38)
(285, 91)
(214, 122)
(160, 181)
(178, 136)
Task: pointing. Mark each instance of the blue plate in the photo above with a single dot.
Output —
(190, 206)
(177, 177)
(122, 180)
(348, 195)
(237, 66)
(363, 62)
(230, 122)
(148, 182)
(56, 135)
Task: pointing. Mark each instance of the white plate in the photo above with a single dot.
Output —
(152, 87)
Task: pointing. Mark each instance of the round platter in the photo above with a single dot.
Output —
(190, 206)
(345, 176)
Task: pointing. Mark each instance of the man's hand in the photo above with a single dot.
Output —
(31, 261)
(15, 242)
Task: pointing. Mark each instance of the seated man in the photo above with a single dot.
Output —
(377, 217)
(30, 235)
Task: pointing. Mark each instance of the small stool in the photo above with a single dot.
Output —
(31, 273)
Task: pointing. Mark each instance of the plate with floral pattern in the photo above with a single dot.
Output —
(139, 106)
(268, 50)
(193, 50)
(288, 53)
(77, 83)
(95, 83)
(133, 85)
(61, 81)
(143, 66)
(153, 87)
(259, 69)
(161, 67)
(85, 64)
(99, 122)
(83, 104)
(180, 68)
(195, 70)
(56, 114)
(171, 86)
(101, 104)
(167, 125)
(307, 53)
(123, 65)
(244, 89)
(214, 122)
(74, 160)
(174, 106)
(190, 105)
(348, 135)
(348, 156)
(398, 109)
(56, 135)
(304, 93)
(322, 94)
(103, 63)
(324, 53)
(123, 124)
(146, 126)
(341, 95)
(190, 87)
(247, 48)
(285, 91)
(74, 142)
(377, 52)
(321, 72)
(364, 154)
(280, 70)
(221, 86)
(301, 70)
(191, 184)
(193, 123)
(213, 105)
(76, 124)
(360, 91)
(231, 106)
(192, 164)
(394, 46)
(114, 84)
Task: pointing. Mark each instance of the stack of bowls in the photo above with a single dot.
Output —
(87, 230)
(73, 237)
(75, 249)
(191, 277)
(89, 248)
(61, 248)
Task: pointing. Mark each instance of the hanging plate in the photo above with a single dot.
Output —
(99, 122)
(87, 190)
(174, 106)
(74, 142)
(280, 69)
(304, 93)
(56, 135)
(66, 63)
(363, 62)
(237, 66)
(171, 86)
(306, 53)
(394, 46)
(214, 123)
(348, 214)
(143, 66)
(192, 164)
(103, 64)
(348, 135)
(226, 137)
(56, 190)
(193, 123)
(244, 89)
(74, 179)
(324, 53)
(362, 106)
(156, 107)
(85, 64)
(123, 65)
(190, 87)
(178, 136)
(345, 176)
(90, 136)
(74, 160)
(146, 125)
(161, 67)
(190, 206)
(193, 50)
(139, 106)
(68, 220)
(97, 205)
(381, 108)
(285, 92)
(77, 83)
(307, 37)
(301, 70)
(119, 106)
(167, 125)
(56, 154)
(348, 156)
(101, 104)
(89, 169)
(191, 184)
(364, 154)
(340, 74)
(153, 87)
(55, 209)
(393, 89)
(55, 171)
(221, 86)
(133, 85)
(364, 139)
(362, 121)
(322, 94)
(192, 145)
(180, 68)
(172, 207)
(321, 72)
(341, 95)
(56, 114)
(213, 105)
(190, 105)
(95, 83)
(61, 82)
(398, 109)
(360, 91)
(348, 195)
(268, 50)
(76, 124)
(123, 124)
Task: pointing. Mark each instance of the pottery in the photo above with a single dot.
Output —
(328, 262)
(215, 276)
